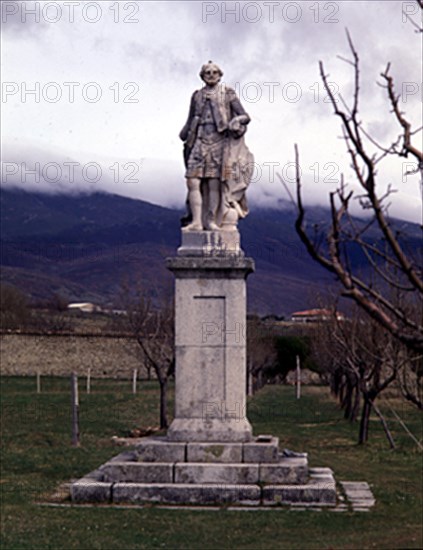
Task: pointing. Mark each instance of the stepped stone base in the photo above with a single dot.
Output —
(247, 474)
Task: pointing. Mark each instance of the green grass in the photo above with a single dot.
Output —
(37, 457)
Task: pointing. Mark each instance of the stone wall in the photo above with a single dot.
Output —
(61, 355)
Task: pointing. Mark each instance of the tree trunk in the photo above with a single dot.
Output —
(163, 404)
(260, 380)
(364, 422)
(356, 406)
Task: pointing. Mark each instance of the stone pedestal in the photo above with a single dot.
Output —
(210, 338)
(209, 455)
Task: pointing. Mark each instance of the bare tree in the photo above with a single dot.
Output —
(393, 292)
(411, 380)
(14, 310)
(361, 360)
(153, 327)
(261, 352)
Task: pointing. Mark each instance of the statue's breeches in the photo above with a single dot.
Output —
(206, 158)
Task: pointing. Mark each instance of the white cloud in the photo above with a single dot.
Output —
(161, 55)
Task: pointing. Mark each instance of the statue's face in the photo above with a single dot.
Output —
(211, 74)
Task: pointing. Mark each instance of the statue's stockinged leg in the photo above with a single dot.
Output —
(195, 203)
(214, 200)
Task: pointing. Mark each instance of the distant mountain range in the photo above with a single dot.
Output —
(86, 247)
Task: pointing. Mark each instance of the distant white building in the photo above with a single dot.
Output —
(86, 307)
(315, 315)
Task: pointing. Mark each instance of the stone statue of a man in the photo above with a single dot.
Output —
(218, 163)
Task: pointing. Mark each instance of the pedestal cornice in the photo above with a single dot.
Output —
(209, 267)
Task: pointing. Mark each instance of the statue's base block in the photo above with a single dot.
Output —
(210, 244)
(196, 429)
(168, 472)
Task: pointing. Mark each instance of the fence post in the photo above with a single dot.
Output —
(134, 381)
(250, 383)
(38, 382)
(298, 381)
(89, 380)
(75, 410)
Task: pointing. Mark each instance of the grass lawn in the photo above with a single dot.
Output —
(37, 457)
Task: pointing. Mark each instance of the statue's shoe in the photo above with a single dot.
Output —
(213, 227)
(193, 227)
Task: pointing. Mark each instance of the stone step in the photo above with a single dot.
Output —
(160, 449)
(286, 471)
(262, 449)
(138, 472)
(320, 491)
(196, 473)
(214, 452)
(315, 492)
(180, 493)
(279, 495)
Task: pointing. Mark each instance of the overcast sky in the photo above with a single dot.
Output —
(113, 81)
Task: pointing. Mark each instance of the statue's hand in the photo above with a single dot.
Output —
(234, 125)
(238, 126)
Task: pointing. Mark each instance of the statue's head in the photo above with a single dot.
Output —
(211, 73)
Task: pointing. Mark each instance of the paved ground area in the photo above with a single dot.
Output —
(358, 495)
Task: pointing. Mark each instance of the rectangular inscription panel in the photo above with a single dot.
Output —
(200, 321)
(209, 318)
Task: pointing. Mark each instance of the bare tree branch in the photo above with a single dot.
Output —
(391, 268)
